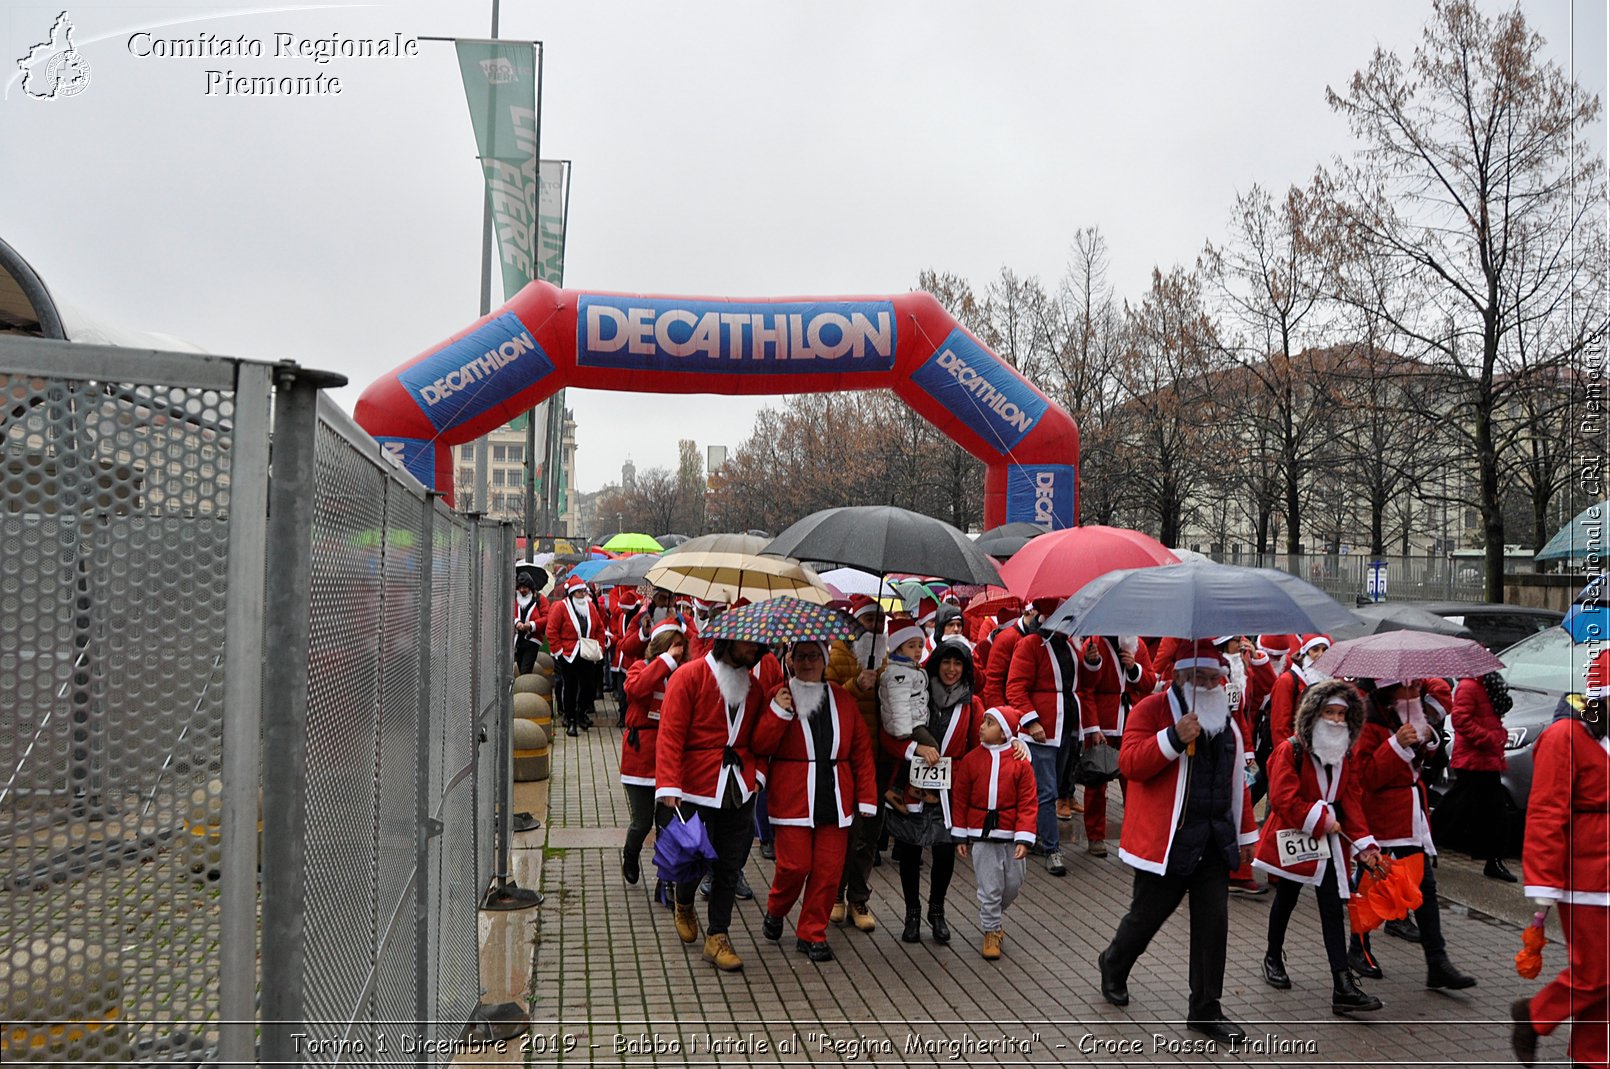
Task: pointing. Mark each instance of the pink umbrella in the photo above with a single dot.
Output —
(1059, 564)
(1408, 655)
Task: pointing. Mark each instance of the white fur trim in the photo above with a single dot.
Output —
(905, 634)
(1188, 664)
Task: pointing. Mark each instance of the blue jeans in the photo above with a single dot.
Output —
(1044, 760)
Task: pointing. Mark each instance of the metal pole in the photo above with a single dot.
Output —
(424, 1012)
(243, 711)
(287, 630)
(505, 893)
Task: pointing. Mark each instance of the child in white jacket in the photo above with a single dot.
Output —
(903, 701)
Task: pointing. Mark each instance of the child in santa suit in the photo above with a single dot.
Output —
(1566, 862)
(1314, 801)
(645, 690)
(994, 808)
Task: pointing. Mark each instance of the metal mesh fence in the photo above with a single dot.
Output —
(136, 724)
(1345, 576)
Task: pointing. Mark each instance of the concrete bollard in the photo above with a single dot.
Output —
(532, 759)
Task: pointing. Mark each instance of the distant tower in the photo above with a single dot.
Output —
(628, 475)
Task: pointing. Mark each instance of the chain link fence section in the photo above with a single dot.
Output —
(1345, 576)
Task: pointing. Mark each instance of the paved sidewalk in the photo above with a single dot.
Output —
(613, 982)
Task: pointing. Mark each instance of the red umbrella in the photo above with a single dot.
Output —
(1058, 564)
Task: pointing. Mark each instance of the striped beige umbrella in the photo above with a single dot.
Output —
(728, 577)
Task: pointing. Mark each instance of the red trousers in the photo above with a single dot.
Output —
(809, 860)
(1582, 990)
(1096, 811)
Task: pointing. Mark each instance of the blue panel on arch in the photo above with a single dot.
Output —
(418, 455)
(1041, 494)
(981, 391)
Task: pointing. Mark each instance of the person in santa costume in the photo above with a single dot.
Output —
(573, 618)
(1390, 753)
(623, 617)
(1001, 642)
(1316, 823)
(704, 765)
(660, 607)
(1043, 684)
(994, 809)
(530, 618)
(1188, 822)
(1122, 677)
(1250, 681)
(856, 667)
(1290, 684)
(819, 763)
(1566, 863)
(645, 693)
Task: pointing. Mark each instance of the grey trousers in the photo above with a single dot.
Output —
(999, 879)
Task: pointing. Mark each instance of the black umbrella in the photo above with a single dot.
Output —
(1197, 601)
(627, 571)
(669, 540)
(1003, 541)
(883, 539)
(1387, 616)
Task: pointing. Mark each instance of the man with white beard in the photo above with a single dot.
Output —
(1188, 822)
(821, 777)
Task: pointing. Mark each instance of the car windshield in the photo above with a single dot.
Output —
(1547, 660)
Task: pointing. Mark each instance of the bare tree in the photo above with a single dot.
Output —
(1476, 174)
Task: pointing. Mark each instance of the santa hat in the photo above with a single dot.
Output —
(1598, 677)
(927, 609)
(903, 629)
(572, 585)
(1005, 716)
(1203, 654)
(670, 623)
(627, 597)
(1310, 641)
(1276, 645)
(860, 605)
(1225, 640)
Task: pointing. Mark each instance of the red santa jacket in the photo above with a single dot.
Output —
(696, 735)
(785, 740)
(1035, 688)
(1567, 851)
(1105, 686)
(957, 735)
(1246, 704)
(1395, 800)
(645, 692)
(621, 623)
(563, 632)
(768, 673)
(1155, 794)
(1304, 797)
(1283, 698)
(698, 645)
(1479, 734)
(1163, 658)
(999, 647)
(990, 779)
(534, 613)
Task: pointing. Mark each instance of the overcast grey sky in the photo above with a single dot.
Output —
(735, 149)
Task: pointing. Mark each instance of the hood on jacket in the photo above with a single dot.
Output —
(960, 648)
(1313, 702)
(947, 612)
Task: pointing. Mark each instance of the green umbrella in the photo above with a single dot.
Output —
(628, 542)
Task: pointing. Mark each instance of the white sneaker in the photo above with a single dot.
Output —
(1054, 864)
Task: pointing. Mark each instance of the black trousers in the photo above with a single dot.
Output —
(1484, 799)
(1155, 899)
(732, 833)
(525, 655)
(640, 805)
(1331, 921)
(909, 856)
(576, 680)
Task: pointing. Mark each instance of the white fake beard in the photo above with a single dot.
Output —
(1237, 685)
(871, 649)
(1212, 708)
(523, 599)
(1310, 674)
(1413, 711)
(656, 616)
(808, 697)
(734, 682)
(1330, 742)
(1129, 644)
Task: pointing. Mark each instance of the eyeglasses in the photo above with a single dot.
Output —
(811, 655)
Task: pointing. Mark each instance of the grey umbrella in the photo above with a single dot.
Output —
(1387, 616)
(1003, 541)
(1198, 600)
(883, 539)
(626, 571)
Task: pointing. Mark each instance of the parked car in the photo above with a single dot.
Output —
(1496, 626)
(1540, 669)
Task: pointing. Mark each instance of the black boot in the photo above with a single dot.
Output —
(1361, 961)
(1346, 996)
(1441, 974)
(570, 728)
(1274, 971)
(913, 932)
(936, 920)
(1495, 870)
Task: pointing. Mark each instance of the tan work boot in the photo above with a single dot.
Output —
(687, 923)
(862, 917)
(718, 952)
(1064, 809)
(992, 945)
(837, 916)
(1097, 848)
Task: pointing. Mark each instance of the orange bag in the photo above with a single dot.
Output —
(1387, 897)
(1529, 959)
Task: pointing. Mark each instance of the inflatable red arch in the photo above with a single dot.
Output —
(546, 338)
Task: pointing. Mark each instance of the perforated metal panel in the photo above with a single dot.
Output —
(114, 506)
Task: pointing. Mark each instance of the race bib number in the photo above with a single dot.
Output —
(1296, 847)
(926, 777)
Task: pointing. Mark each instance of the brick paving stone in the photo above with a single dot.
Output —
(609, 970)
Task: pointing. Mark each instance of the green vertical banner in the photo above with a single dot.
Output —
(501, 84)
(553, 203)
